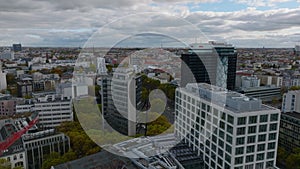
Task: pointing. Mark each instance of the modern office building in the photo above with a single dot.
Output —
(40, 144)
(213, 63)
(17, 47)
(297, 50)
(290, 101)
(121, 100)
(53, 110)
(264, 93)
(289, 136)
(229, 129)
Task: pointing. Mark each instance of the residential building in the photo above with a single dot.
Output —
(290, 101)
(7, 105)
(267, 80)
(213, 63)
(53, 110)
(14, 154)
(229, 129)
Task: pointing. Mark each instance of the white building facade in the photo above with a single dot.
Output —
(3, 83)
(53, 111)
(228, 129)
(290, 101)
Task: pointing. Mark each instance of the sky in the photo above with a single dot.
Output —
(79, 23)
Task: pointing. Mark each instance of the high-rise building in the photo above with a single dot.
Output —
(297, 50)
(17, 47)
(290, 101)
(229, 130)
(213, 63)
(101, 66)
(3, 83)
(121, 100)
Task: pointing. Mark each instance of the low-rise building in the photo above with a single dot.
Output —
(40, 144)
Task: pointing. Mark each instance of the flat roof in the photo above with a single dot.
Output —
(230, 100)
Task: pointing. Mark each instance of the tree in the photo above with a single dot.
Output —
(55, 159)
(160, 125)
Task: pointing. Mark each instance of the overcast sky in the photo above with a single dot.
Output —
(244, 23)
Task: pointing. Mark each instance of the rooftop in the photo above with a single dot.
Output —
(230, 100)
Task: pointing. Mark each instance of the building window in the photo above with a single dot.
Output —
(241, 131)
(250, 149)
(221, 134)
(241, 120)
(263, 118)
(251, 139)
(274, 117)
(239, 160)
(252, 119)
(251, 129)
(260, 156)
(228, 138)
(239, 150)
(228, 148)
(271, 146)
(249, 158)
(272, 136)
(228, 158)
(270, 155)
(230, 119)
(240, 140)
(262, 137)
(229, 129)
(222, 125)
(263, 128)
(270, 164)
(273, 127)
(261, 147)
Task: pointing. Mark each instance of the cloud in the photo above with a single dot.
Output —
(71, 23)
